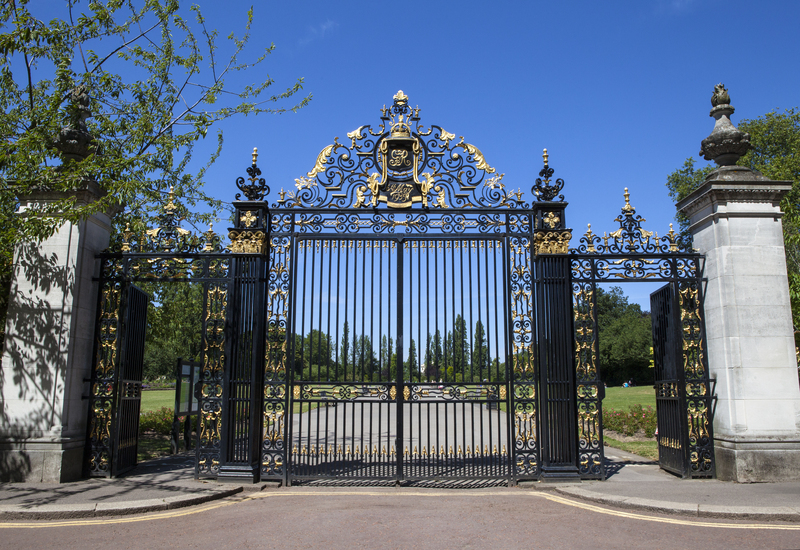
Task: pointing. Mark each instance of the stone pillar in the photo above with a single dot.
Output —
(735, 220)
(48, 348)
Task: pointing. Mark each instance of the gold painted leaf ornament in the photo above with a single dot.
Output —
(322, 160)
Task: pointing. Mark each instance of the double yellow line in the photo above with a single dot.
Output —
(396, 494)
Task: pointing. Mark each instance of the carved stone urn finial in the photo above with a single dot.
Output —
(74, 142)
(727, 143)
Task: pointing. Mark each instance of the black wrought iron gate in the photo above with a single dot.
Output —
(395, 368)
(399, 315)
(672, 453)
(129, 382)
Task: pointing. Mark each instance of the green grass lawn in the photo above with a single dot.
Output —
(155, 399)
(620, 399)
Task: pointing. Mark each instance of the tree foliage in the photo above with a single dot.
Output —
(626, 341)
(775, 152)
(118, 93)
(174, 319)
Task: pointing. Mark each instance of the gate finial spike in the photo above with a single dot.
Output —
(255, 155)
(627, 207)
(545, 156)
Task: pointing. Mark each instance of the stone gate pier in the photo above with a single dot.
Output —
(735, 219)
(48, 347)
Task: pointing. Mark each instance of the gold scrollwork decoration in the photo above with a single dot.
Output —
(552, 242)
(248, 219)
(322, 159)
(247, 242)
(387, 163)
(697, 415)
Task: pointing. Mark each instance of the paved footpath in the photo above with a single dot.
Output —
(639, 506)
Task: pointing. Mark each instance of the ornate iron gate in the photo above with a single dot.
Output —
(400, 315)
(632, 254)
(409, 338)
(167, 253)
(672, 453)
(393, 378)
(129, 382)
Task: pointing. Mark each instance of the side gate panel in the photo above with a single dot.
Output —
(672, 451)
(129, 382)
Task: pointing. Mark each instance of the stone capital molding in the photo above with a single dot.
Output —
(738, 186)
(87, 194)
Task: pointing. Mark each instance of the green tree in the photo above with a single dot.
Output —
(428, 357)
(114, 93)
(386, 354)
(480, 351)
(174, 320)
(344, 350)
(625, 334)
(447, 359)
(434, 365)
(317, 352)
(775, 140)
(365, 363)
(412, 369)
(461, 351)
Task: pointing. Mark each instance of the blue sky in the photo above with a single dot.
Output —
(618, 92)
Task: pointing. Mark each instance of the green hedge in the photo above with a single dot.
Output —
(158, 421)
(635, 419)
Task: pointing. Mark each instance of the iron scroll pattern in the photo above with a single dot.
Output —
(590, 414)
(400, 163)
(106, 364)
(394, 223)
(167, 253)
(275, 403)
(209, 392)
(701, 439)
(631, 253)
(527, 460)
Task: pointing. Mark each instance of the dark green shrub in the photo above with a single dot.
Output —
(637, 418)
(158, 421)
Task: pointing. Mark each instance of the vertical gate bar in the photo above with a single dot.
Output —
(304, 244)
(333, 247)
(346, 353)
(308, 243)
(290, 340)
(483, 380)
(399, 360)
(363, 306)
(413, 320)
(326, 258)
(310, 338)
(510, 373)
(462, 312)
(463, 337)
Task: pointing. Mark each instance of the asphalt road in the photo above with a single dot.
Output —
(433, 434)
(379, 517)
(426, 424)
